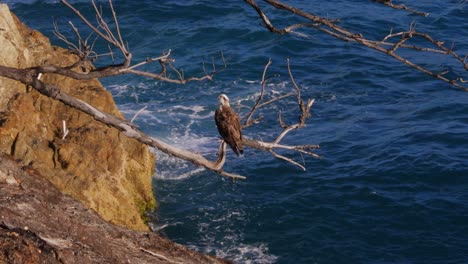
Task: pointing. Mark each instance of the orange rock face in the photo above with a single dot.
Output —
(94, 163)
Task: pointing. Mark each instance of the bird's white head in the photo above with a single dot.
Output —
(223, 100)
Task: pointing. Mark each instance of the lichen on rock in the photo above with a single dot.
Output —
(95, 163)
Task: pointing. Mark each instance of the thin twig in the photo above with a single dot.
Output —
(287, 159)
(159, 256)
(260, 97)
(137, 113)
(65, 130)
(149, 60)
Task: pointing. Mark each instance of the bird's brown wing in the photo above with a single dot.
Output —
(229, 128)
(236, 132)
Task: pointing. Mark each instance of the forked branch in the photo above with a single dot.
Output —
(101, 29)
(83, 48)
(389, 45)
(304, 114)
(30, 77)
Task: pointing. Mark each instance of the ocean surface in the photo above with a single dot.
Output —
(392, 183)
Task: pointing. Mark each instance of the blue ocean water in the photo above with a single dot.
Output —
(391, 186)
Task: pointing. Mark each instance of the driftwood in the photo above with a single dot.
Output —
(389, 45)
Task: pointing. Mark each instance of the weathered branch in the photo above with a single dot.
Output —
(248, 122)
(331, 28)
(304, 110)
(114, 39)
(31, 77)
(266, 146)
(402, 7)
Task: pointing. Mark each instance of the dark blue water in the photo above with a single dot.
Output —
(392, 184)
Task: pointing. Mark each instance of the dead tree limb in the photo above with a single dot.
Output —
(259, 101)
(304, 114)
(84, 51)
(394, 41)
(389, 3)
(248, 122)
(102, 30)
(30, 77)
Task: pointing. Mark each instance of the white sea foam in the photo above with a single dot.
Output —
(231, 246)
(118, 89)
(146, 116)
(172, 168)
(195, 109)
(181, 126)
(243, 253)
(193, 112)
(128, 91)
(280, 85)
(221, 234)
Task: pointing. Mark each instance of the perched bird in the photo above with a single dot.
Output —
(229, 126)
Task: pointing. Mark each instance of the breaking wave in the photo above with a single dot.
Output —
(249, 254)
(232, 244)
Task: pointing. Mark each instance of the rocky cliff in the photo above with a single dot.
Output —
(94, 163)
(38, 224)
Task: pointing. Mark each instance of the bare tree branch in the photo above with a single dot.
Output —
(402, 7)
(304, 110)
(86, 53)
(31, 77)
(116, 22)
(248, 122)
(330, 27)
